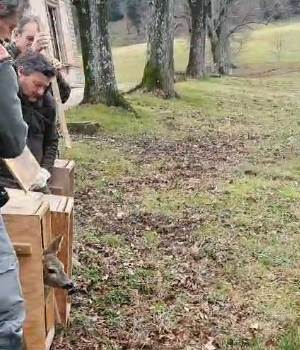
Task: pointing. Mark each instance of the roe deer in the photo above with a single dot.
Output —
(53, 269)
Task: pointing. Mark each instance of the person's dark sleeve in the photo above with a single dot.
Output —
(51, 136)
(11, 49)
(13, 129)
(64, 87)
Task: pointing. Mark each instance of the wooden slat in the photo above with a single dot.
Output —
(63, 177)
(56, 312)
(61, 163)
(62, 223)
(21, 203)
(49, 338)
(63, 203)
(59, 106)
(58, 191)
(22, 249)
(61, 113)
(24, 168)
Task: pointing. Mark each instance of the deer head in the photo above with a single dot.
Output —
(54, 274)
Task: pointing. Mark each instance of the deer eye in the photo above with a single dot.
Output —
(51, 271)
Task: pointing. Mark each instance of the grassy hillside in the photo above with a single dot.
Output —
(187, 219)
(268, 47)
(273, 44)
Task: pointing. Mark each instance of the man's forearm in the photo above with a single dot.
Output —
(13, 129)
(64, 88)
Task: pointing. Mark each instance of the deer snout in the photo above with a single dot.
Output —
(70, 287)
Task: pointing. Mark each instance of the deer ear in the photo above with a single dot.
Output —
(54, 246)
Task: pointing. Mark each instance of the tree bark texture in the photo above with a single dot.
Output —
(196, 63)
(100, 81)
(159, 69)
(218, 33)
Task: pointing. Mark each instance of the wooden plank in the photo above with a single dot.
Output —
(62, 204)
(56, 312)
(62, 222)
(24, 168)
(70, 209)
(21, 203)
(71, 168)
(61, 113)
(49, 312)
(63, 177)
(22, 249)
(49, 338)
(57, 191)
(49, 303)
(59, 106)
(61, 163)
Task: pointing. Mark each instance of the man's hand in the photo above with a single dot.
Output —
(41, 42)
(42, 179)
(57, 64)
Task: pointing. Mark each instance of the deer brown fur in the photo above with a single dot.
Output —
(53, 269)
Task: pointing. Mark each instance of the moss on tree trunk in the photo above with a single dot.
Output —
(151, 77)
(158, 73)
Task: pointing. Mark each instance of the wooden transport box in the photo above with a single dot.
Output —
(62, 179)
(28, 222)
(62, 221)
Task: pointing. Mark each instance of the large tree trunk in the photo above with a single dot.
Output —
(159, 69)
(220, 49)
(218, 34)
(100, 81)
(224, 63)
(196, 64)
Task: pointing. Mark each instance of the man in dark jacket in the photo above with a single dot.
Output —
(13, 132)
(28, 36)
(35, 72)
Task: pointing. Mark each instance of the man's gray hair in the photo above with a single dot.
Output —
(12, 6)
(32, 62)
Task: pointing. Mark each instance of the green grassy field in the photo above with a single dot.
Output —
(272, 46)
(187, 219)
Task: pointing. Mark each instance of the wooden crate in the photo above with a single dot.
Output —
(27, 219)
(62, 221)
(62, 178)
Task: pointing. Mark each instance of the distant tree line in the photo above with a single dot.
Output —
(217, 20)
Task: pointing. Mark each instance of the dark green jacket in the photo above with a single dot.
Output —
(42, 137)
(64, 87)
(13, 130)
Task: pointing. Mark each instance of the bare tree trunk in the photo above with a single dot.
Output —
(218, 34)
(100, 81)
(196, 64)
(158, 73)
(220, 48)
(224, 62)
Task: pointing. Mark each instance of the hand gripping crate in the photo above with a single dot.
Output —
(62, 178)
(27, 219)
(62, 221)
